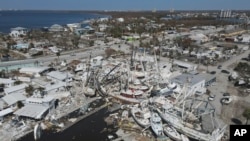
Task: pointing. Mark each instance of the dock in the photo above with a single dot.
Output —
(21, 134)
(83, 117)
(69, 111)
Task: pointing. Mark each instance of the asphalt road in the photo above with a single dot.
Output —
(63, 56)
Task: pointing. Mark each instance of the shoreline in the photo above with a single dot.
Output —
(38, 19)
(50, 135)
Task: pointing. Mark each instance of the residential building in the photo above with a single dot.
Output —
(5, 112)
(72, 27)
(59, 76)
(16, 89)
(36, 108)
(7, 82)
(56, 28)
(209, 78)
(21, 46)
(185, 65)
(34, 71)
(194, 83)
(18, 31)
(55, 87)
(13, 98)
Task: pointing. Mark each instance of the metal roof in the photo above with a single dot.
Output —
(6, 81)
(35, 111)
(33, 69)
(5, 112)
(59, 75)
(13, 98)
(55, 86)
(15, 88)
(187, 78)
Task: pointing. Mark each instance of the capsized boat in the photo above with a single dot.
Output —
(171, 132)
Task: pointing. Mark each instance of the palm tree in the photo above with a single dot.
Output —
(246, 114)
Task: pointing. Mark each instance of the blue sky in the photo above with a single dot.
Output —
(125, 4)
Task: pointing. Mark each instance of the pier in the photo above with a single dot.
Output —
(84, 116)
(73, 109)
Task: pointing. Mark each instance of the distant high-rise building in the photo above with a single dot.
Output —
(154, 10)
(221, 13)
(225, 13)
(171, 10)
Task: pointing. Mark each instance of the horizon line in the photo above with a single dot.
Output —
(129, 10)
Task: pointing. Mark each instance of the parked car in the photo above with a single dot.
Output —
(225, 71)
(226, 100)
(226, 94)
(73, 54)
(211, 97)
(219, 67)
(213, 72)
(245, 59)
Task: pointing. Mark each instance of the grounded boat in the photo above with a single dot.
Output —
(88, 91)
(125, 99)
(226, 99)
(138, 87)
(184, 138)
(37, 131)
(132, 93)
(156, 125)
(188, 129)
(172, 133)
(165, 89)
(141, 115)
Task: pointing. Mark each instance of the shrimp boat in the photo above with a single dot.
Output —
(37, 131)
(141, 114)
(172, 133)
(128, 95)
(171, 115)
(156, 125)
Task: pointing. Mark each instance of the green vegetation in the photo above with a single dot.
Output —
(58, 55)
(116, 32)
(75, 41)
(29, 90)
(19, 104)
(91, 43)
(246, 114)
(243, 68)
(3, 74)
(18, 82)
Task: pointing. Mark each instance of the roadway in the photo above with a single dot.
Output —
(64, 56)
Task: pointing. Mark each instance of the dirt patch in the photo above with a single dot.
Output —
(232, 113)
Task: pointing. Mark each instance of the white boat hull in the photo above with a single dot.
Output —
(192, 133)
(156, 125)
(172, 133)
(37, 132)
(142, 122)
